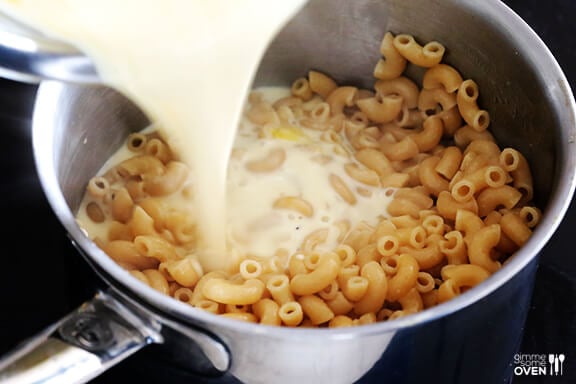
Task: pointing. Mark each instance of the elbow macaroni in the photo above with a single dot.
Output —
(426, 56)
(459, 204)
(392, 64)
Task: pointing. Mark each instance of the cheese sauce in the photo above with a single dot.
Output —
(189, 65)
(254, 227)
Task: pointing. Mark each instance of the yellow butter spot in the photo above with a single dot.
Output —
(288, 133)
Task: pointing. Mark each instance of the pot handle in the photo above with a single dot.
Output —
(30, 56)
(82, 345)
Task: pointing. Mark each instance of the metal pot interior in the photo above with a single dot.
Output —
(77, 128)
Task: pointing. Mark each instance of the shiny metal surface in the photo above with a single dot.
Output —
(30, 56)
(90, 340)
(101, 333)
(76, 128)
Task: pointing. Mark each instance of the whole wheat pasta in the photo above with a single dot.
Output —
(454, 205)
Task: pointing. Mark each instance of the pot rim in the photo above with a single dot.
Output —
(535, 50)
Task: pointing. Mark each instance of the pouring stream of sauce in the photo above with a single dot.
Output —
(187, 63)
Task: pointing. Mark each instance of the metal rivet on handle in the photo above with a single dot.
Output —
(87, 331)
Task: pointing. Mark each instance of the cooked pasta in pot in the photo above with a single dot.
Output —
(345, 206)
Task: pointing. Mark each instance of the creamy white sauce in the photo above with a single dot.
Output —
(253, 226)
(189, 65)
(257, 229)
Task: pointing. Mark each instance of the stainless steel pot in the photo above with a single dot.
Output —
(469, 339)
